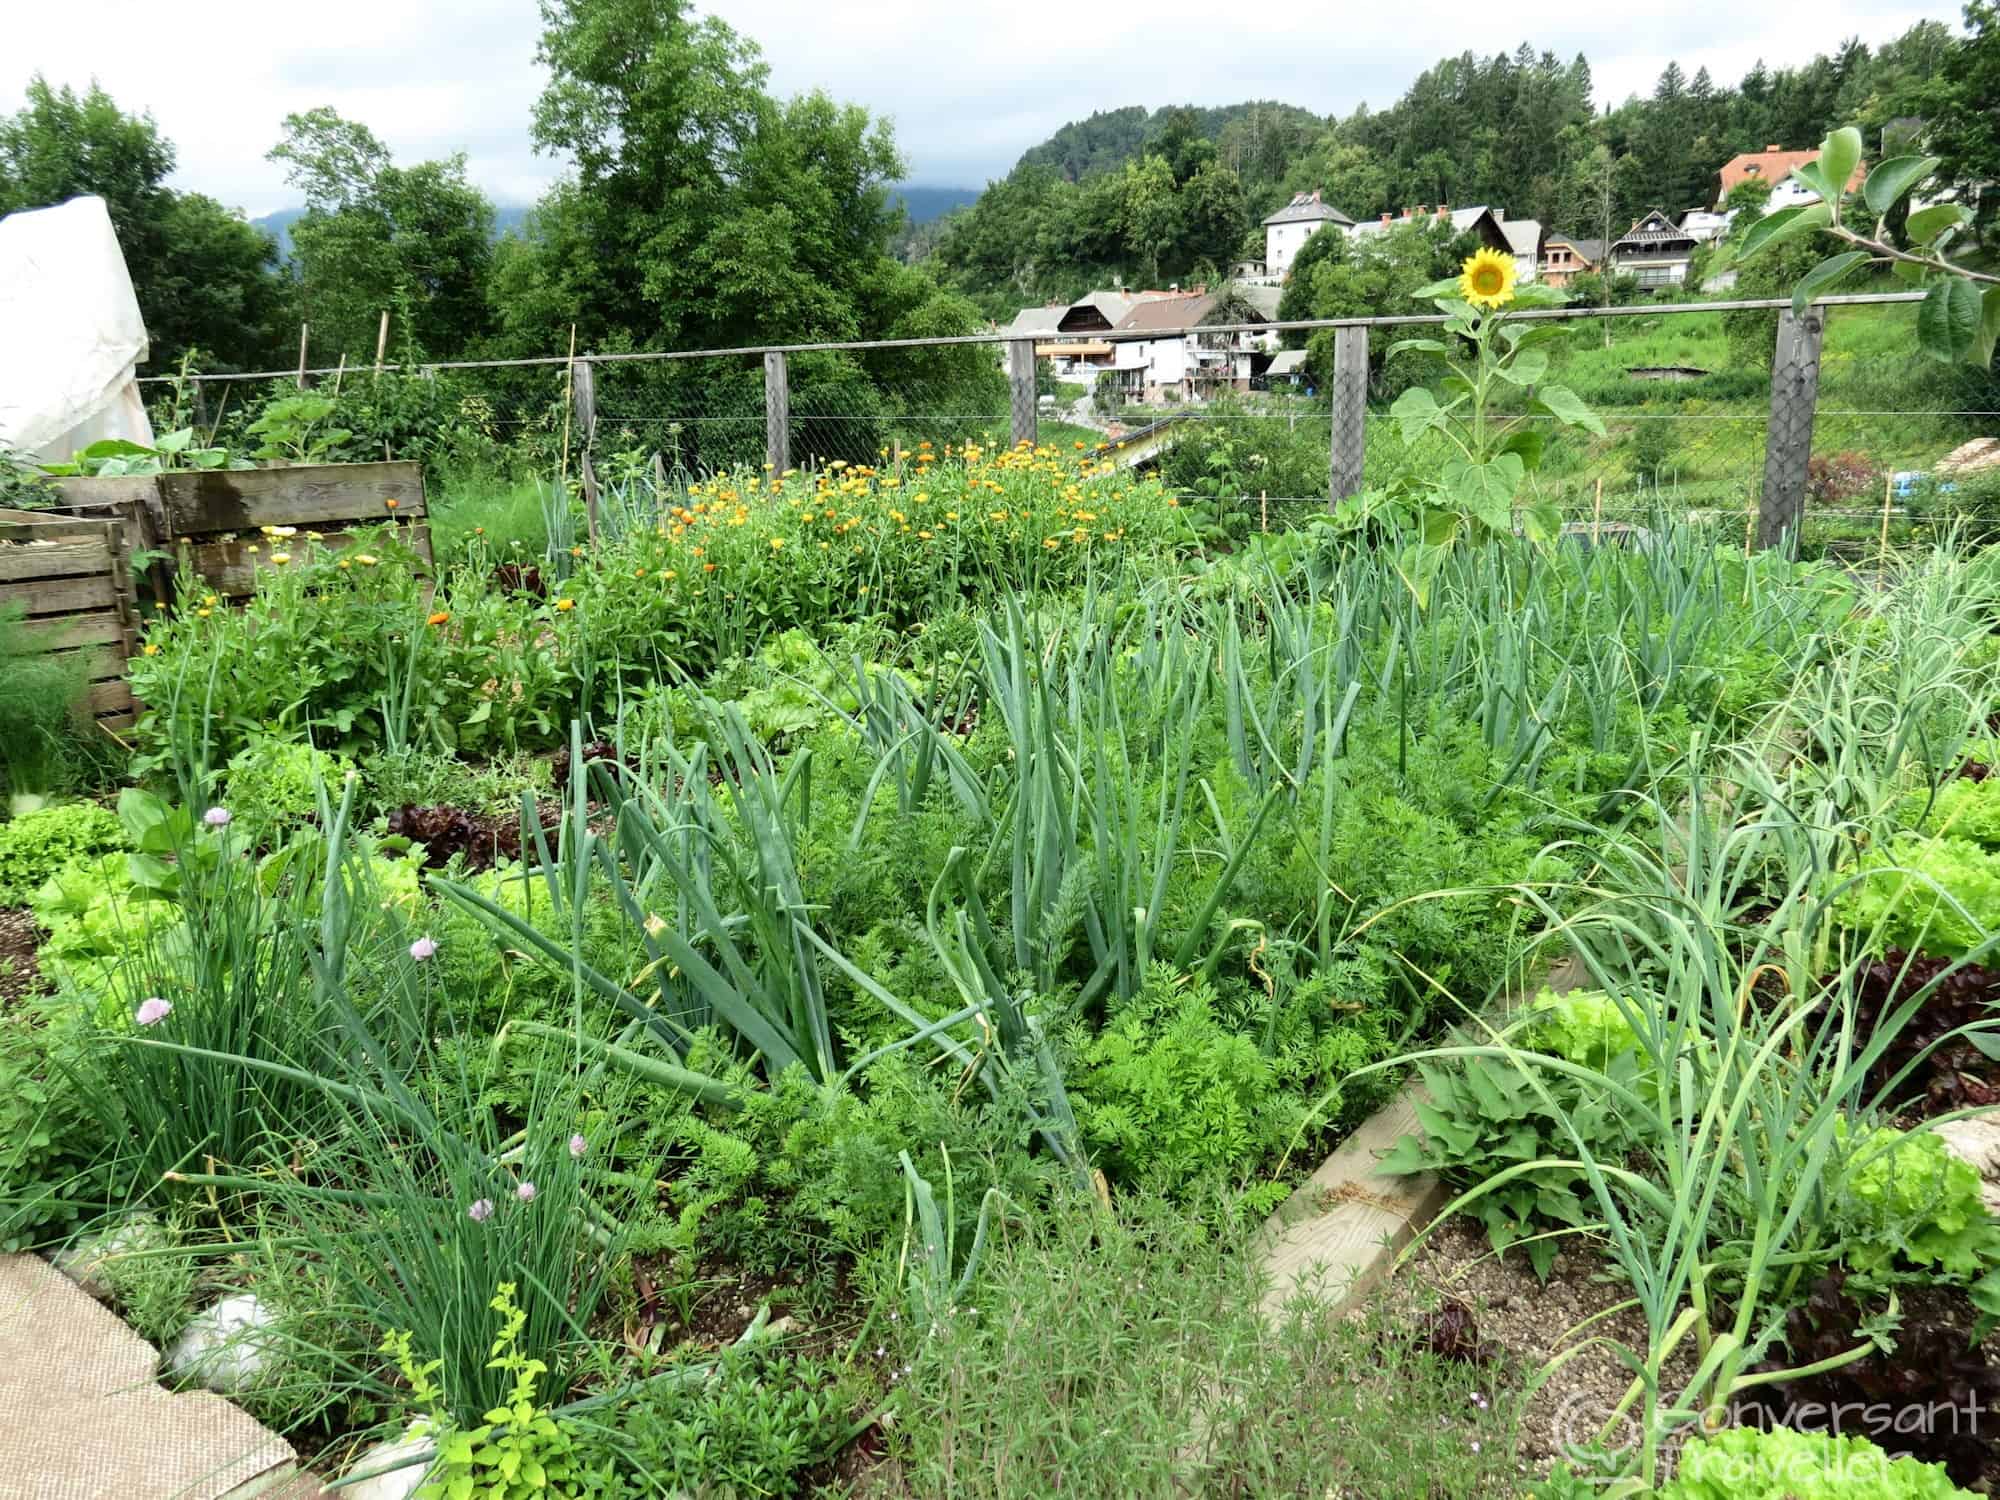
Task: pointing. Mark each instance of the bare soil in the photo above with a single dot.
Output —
(20, 975)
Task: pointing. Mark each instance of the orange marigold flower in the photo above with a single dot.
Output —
(392, 504)
(708, 567)
(442, 617)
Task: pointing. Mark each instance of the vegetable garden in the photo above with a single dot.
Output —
(820, 988)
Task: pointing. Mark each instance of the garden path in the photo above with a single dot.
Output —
(82, 1419)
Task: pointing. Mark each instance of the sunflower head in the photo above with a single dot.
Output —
(1487, 279)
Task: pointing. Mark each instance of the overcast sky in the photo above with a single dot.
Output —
(969, 84)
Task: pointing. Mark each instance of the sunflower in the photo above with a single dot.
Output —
(1488, 279)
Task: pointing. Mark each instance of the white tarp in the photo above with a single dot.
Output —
(70, 333)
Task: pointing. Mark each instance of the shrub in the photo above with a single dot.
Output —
(1834, 477)
(37, 844)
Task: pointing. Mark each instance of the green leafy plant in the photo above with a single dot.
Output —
(1491, 1122)
(1959, 319)
(1476, 492)
(291, 429)
(272, 782)
(519, 1451)
(1904, 1202)
(34, 846)
(1780, 1464)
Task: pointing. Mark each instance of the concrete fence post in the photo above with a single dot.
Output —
(1021, 391)
(1788, 442)
(1350, 411)
(777, 414)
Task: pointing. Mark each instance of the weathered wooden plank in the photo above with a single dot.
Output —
(62, 632)
(113, 696)
(98, 663)
(117, 722)
(53, 559)
(241, 500)
(98, 497)
(61, 596)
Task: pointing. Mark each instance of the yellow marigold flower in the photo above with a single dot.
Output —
(442, 617)
(668, 573)
(777, 542)
(366, 559)
(159, 604)
(204, 613)
(564, 606)
(253, 549)
(864, 587)
(281, 557)
(150, 650)
(1488, 279)
(951, 515)
(1051, 543)
(925, 535)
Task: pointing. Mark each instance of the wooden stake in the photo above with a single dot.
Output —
(338, 373)
(1264, 510)
(1888, 494)
(569, 397)
(1597, 515)
(303, 327)
(382, 341)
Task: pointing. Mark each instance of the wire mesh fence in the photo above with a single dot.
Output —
(1712, 413)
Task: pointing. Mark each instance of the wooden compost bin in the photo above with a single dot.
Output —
(206, 522)
(69, 579)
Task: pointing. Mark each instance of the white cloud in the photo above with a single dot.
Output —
(969, 85)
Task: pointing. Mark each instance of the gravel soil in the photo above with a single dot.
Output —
(1533, 1322)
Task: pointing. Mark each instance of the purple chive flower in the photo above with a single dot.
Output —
(481, 1211)
(525, 1192)
(577, 1146)
(424, 948)
(216, 817)
(152, 1012)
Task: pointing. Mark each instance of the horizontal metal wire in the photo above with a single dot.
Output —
(1411, 320)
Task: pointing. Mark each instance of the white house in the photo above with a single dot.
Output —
(1287, 230)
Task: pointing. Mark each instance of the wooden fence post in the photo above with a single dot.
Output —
(1350, 411)
(304, 329)
(777, 414)
(1788, 441)
(1021, 391)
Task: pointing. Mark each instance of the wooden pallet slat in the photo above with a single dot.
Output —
(64, 559)
(60, 596)
(242, 500)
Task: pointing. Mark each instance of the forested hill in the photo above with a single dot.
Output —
(1112, 137)
(1177, 194)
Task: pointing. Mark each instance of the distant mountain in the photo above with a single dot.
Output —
(507, 219)
(923, 204)
(1112, 137)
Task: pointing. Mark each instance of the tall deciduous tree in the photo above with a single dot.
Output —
(204, 278)
(376, 235)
